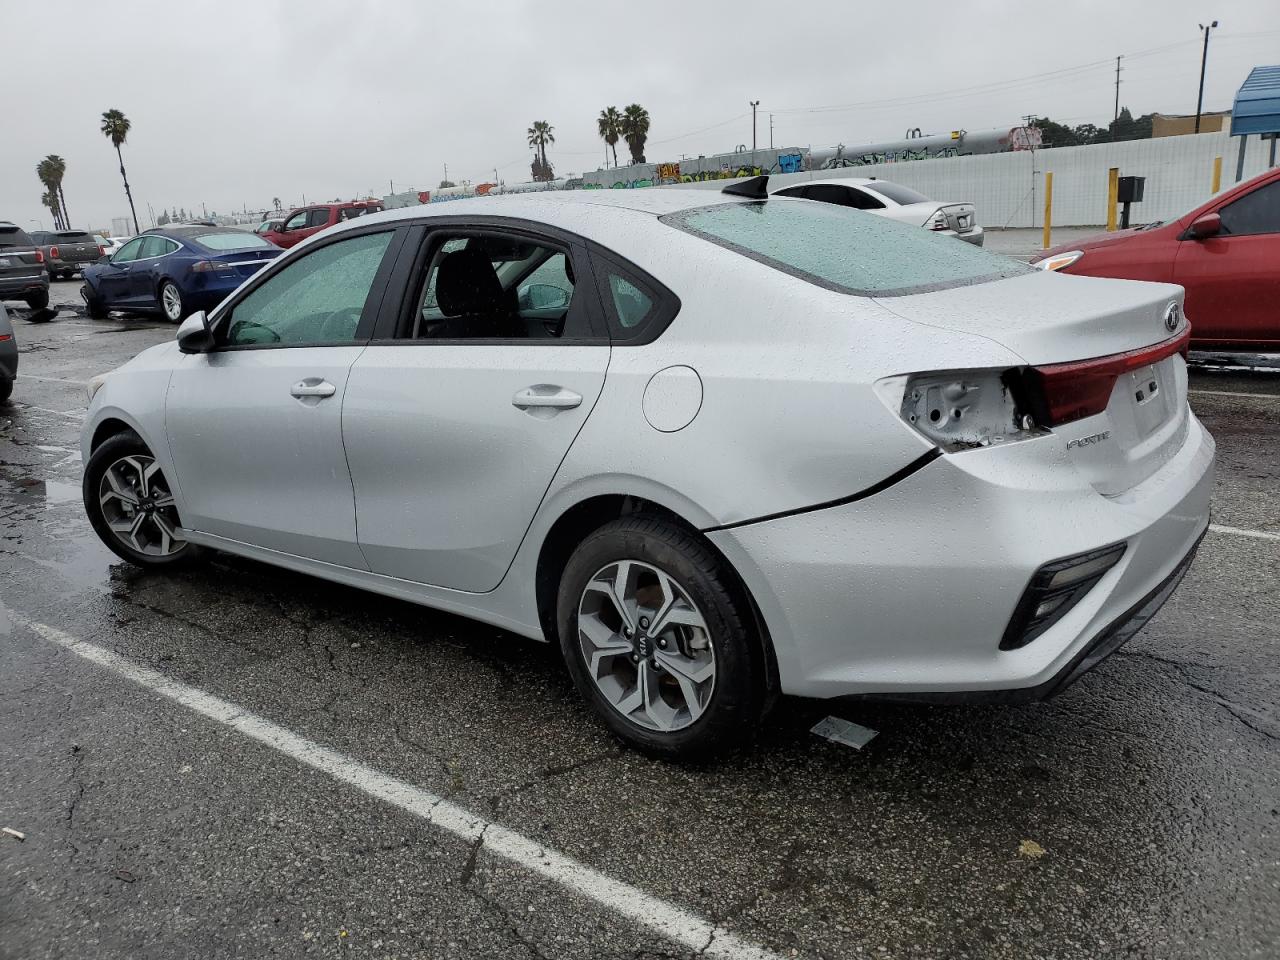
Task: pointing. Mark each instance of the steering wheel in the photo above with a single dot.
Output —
(341, 324)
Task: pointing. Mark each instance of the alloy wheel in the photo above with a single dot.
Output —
(171, 298)
(139, 507)
(646, 646)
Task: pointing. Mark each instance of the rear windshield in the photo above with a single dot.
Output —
(231, 241)
(896, 192)
(75, 236)
(844, 249)
(14, 237)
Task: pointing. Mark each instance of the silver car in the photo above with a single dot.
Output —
(715, 446)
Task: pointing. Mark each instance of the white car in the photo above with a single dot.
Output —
(714, 446)
(110, 245)
(894, 201)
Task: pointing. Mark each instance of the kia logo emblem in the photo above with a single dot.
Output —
(1172, 317)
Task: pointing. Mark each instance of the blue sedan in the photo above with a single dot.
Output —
(175, 271)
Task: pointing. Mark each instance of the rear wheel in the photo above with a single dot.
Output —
(171, 302)
(131, 505)
(93, 306)
(659, 640)
(38, 301)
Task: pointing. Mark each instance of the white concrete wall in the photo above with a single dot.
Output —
(1008, 188)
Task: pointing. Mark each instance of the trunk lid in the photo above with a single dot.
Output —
(1085, 328)
(18, 255)
(77, 247)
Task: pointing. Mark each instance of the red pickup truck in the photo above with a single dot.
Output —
(302, 222)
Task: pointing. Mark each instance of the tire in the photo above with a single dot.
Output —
(171, 302)
(38, 301)
(6, 389)
(730, 706)
(94, 308)
(128, 457)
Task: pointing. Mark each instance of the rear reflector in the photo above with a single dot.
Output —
(1082, 388)
(1054, 589)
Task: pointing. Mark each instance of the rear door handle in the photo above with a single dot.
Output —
(546, 395)
(313, 387)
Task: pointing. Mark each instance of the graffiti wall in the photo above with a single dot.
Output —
(696, 170)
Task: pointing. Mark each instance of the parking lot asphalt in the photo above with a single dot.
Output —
(241, 761)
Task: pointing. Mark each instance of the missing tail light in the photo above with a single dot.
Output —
(962, 409)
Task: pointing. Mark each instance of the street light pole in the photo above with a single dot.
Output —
(1204, 57)
(754, 104)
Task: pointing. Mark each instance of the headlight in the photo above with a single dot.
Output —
(1060, 261)
(95, 384)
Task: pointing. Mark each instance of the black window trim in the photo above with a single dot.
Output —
(666, 305)
(373, 302)
(415, 256)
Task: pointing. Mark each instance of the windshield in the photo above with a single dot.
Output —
(231, 241)
(842, 249)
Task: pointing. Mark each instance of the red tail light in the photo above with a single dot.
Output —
(102, 251)
(1082, 388)
(53, 253)
(39, 256)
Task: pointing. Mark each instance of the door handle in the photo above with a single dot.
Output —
(546, 395)
(313, 387)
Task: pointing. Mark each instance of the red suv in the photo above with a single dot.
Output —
(1226, 253)
(304, 221)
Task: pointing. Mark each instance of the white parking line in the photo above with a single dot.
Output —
(1228, 393)
(665, 919)
(1242, 532)
(32, 376)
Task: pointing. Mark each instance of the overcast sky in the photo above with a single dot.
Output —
(236, 102)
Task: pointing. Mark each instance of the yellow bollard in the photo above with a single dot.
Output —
(1048, 206)
(1113, 190)
(1217, 174)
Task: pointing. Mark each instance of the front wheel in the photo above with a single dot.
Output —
(131, 505)
(171, 302)
(93, 306)
(659, 639)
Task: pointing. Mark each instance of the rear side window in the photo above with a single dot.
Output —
(318, 218)
(637, 307)
(12, 237)
(844, 250)
(896, 192)
(154, 247)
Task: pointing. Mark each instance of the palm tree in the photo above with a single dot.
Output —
(48, 173)
(609, 123)
(59, 167)
(115, 127)
(635, 130)
(540, 134)
(275, 203)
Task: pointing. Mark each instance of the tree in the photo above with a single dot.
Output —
(47, 175)
(115, 127)
(50, 200)
(446, 183)
(1125, 127)
(275, 204)
(609, 124)
(540, 134)
(635, 130)
(60, 170)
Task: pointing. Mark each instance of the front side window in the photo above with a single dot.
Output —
(317, 299)
(497, 287)
(842, 249)
(1254, 213)
(154, 247)
(297, 221)
(129, 251)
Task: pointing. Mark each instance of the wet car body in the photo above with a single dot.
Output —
(952, 476)
(894, 201)
(67, 252)
(22, 272)
(8, 356)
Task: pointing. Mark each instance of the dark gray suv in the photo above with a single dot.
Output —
(8, 356)
(22, 270)
(66, 251)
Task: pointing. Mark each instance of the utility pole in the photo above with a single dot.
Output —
(1204, 57)
(446, 173)
(771, 131)
(1116, 119)
(754, 104)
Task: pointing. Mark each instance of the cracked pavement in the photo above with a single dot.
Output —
(1153, 785)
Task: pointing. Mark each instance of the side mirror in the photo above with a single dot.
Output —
(194, 335)
(1210, 225)
(543, 296)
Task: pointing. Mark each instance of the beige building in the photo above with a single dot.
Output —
(1175, 125)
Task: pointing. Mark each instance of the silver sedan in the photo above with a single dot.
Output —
(716, 447)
